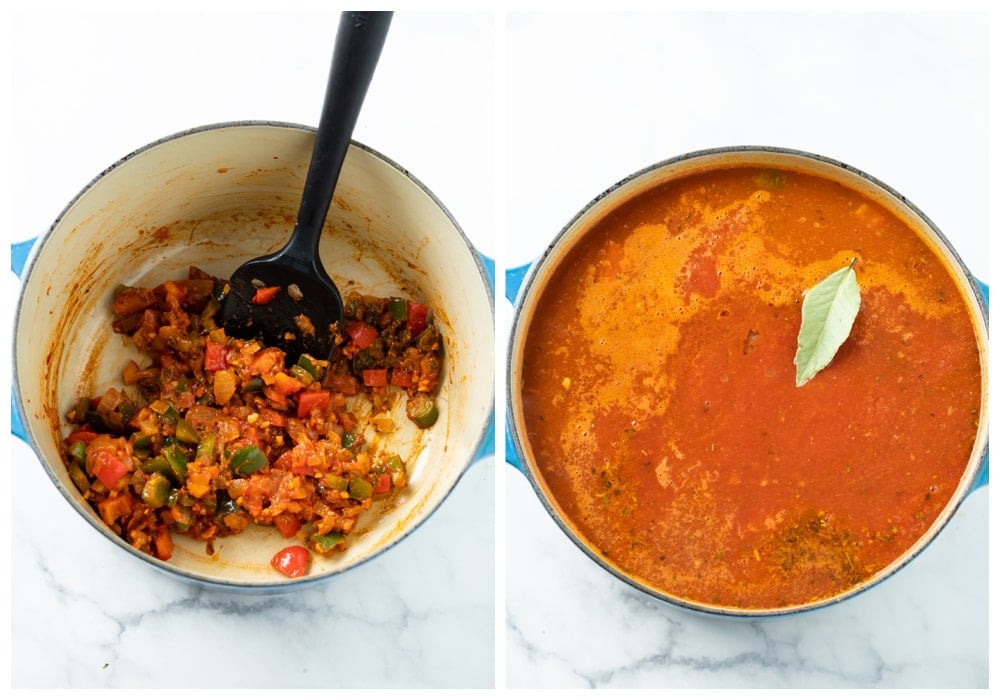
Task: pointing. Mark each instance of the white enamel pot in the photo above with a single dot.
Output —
(524, 286)
(214, 197)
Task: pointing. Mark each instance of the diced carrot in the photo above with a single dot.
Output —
(163, 543)
(265, 295)
(115, 507)
(286, 385)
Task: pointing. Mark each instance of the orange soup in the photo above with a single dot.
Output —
(660, 402)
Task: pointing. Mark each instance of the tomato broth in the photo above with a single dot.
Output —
(661, 408)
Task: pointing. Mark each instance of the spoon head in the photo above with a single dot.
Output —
(284, 307)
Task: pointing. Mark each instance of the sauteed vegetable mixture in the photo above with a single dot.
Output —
(216, 433)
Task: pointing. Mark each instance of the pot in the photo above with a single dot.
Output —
(530, 281)
(214, 197)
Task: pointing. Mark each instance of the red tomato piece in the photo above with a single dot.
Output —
(416, 317)
(400, 378)
(308, 400)
(362, 334)
(215, 356)
(291, 561)
(265, 295)
(375, 377)
(108, 468)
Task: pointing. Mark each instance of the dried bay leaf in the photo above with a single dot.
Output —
(828, 313)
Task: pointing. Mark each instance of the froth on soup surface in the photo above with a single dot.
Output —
(659, 393)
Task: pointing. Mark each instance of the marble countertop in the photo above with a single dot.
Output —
(516, 121)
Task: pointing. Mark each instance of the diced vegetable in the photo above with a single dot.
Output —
(186, 433)
(291, 561)
(324, 544)
(206, 449)
(422, 410)
(265, 295)
(78, 451)
(398, 309)
(286, 385)
(84, 436)
(307, 363)
(375, 377)
(215, 356)
(163, 543)
(335, 482)
(362, 334)
(115, 507)
(156, 490)
(287, 523)
(108, 468)
(383, 483)
(223, 386)
(177, 461)
(416, 317)
(309, 400)
(247, 460)
(359, 488)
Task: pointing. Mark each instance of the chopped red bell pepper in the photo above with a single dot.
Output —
(287, 523)
(383, 484)
(416, 317)
(265, 295)
(308, 400)
(362, 334)
(291, 561)
(375, 377)
(401, 378)
(215, 356)
(108, 468)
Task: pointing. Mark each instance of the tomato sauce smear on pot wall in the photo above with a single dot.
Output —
(660, 403)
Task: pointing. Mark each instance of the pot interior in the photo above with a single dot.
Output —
(563, 255)
(213, 198)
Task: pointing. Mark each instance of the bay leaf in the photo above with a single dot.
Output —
(828, 313)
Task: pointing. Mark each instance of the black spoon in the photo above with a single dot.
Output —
(287, 299)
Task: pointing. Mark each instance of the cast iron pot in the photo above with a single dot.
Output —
(214, 197)
(527, 282)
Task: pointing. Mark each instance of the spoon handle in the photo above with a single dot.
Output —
(360, 37)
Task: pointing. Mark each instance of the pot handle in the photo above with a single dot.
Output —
(983, 479)
(19, 254)
(488, 446)
(515, 279)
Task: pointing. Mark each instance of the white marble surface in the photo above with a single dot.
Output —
(89, 89)
(598, 96)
